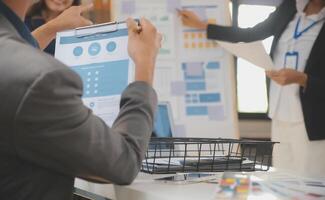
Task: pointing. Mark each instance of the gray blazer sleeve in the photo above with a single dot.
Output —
(54, 130)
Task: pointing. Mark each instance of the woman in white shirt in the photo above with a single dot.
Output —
(297, 92)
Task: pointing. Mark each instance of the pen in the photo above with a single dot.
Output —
(139, 28)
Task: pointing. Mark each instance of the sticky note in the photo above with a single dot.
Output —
(196, 110)
(178, 88)
(210, 98)
(194, 69)
(186, 35)
(195, 86)
(213, 65)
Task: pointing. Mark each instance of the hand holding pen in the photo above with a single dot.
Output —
(144, 44)
(192, 20)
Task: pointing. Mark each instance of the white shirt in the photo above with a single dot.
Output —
(285, 102)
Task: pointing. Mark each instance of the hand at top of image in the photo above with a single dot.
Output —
(143, 47)
(69, 19)
(192, 20)
(72, 18)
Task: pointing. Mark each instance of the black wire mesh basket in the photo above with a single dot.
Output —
(173, 155)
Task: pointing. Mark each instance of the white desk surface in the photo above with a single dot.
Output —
(146, 188)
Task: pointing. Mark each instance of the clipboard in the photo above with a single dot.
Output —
(99, 55)
(97, 29)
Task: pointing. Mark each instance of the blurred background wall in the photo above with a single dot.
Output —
(101, 12)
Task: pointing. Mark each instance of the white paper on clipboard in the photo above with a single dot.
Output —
(99, 55)
(253, 52)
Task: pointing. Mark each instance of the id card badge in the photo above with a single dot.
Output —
(291, 60)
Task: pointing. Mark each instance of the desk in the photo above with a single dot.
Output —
(146, 188)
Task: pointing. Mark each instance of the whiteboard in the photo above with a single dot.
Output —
(194, 74)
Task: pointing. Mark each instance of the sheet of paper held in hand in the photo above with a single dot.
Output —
(253, 52)
(98, 54)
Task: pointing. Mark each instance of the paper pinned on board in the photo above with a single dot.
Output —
(253, 52)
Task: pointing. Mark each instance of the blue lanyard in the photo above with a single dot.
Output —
(18, 24)
(298, 34)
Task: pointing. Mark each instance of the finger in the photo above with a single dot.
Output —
(280, 81)
(87, 22)
(183, 13)
(179, 12)
(86, 7)
(186, 22)
(183, 21)
(277, 80)
(144, 22)
(269, 73)
(147, 25)
(159, 39)
(187, 13)
(132, 26)
(274, 73)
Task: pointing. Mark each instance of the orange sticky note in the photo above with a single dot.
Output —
(186, 35)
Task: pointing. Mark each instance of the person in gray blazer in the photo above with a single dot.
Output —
(47, 136)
